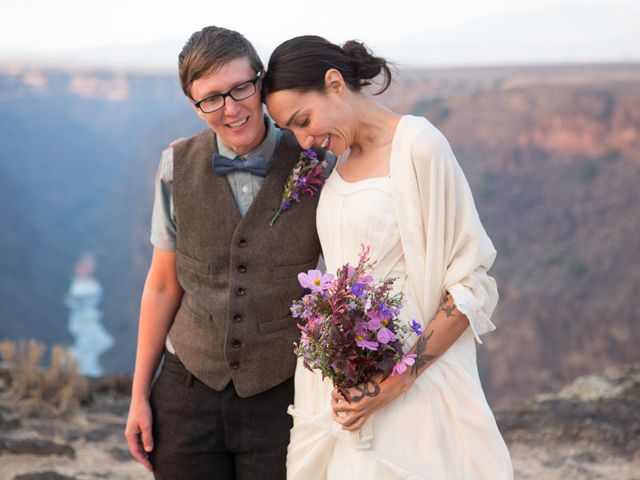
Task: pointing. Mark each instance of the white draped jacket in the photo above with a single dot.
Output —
(445, 245)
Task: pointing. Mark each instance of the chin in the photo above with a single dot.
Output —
(336, 150)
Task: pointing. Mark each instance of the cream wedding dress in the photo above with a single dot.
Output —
(442, 428)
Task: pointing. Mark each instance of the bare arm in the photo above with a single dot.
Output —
(442, 332)
(160, 300)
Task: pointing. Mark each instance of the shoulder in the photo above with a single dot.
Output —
(165, 170)
(423, 147)
(423, 138)
(205, 138)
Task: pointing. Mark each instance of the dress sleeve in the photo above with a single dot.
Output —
(163, 222)
(467, 250)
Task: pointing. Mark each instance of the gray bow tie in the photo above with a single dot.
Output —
(254, 164)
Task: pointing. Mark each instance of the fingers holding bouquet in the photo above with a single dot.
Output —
(352, 408)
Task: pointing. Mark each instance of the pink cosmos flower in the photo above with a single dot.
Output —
(404, 362)
(362, 342)
(360, 329)
(376, 319)
(385, 335)
(315, 280)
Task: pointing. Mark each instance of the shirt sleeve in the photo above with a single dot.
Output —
(163, 221)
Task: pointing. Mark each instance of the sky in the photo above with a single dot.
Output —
(150, 33)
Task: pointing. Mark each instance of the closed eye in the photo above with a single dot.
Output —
(243, 87)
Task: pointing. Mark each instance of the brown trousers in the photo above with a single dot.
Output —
(202, 434)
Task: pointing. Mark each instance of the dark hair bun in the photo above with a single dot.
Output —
(367, 66)
(300, 63)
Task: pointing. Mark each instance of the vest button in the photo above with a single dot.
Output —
(242, 243)
(236, 343)
(234, 365)
(237, 318)
(240, 291)
(242, 268)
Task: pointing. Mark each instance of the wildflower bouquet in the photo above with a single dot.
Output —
(349, 325)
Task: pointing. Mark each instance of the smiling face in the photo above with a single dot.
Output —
(239, 124)
(317, 119)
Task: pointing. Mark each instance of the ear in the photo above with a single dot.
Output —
(334, 82)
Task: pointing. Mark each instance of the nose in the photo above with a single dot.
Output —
(305, 141)
(231, 106)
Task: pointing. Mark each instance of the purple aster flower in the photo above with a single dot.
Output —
(385, 335)
(357, 289)
(310, 154)
(384, 310)
(404, 362)
(296, 310)
(285, 205)
(315, 280)
(416, 327)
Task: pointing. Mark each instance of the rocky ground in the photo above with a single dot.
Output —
(588, 430)
(85, 445)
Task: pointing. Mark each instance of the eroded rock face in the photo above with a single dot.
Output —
(554, 169)
(589, 429)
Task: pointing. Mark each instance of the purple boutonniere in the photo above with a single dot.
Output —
(307, 176)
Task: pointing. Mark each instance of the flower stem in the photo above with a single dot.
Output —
(275, 216)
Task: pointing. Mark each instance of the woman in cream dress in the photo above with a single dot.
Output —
(398, 188)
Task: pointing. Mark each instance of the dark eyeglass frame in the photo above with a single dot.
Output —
(228, 93)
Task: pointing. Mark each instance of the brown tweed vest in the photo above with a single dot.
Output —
(239, 274)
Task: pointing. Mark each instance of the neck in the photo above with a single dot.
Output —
(374, 125)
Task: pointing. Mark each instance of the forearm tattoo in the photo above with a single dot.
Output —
(370, 388)
(447, 310)
(422, 358)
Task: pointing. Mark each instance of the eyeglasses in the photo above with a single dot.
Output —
(241, 91)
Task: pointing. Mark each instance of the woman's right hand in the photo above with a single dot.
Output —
(138, 431)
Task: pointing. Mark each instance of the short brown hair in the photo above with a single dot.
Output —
(209, 49)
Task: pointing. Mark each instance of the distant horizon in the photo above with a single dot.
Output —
(46, 66)
(149, 34)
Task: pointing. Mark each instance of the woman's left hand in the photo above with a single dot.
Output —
(367, 398)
